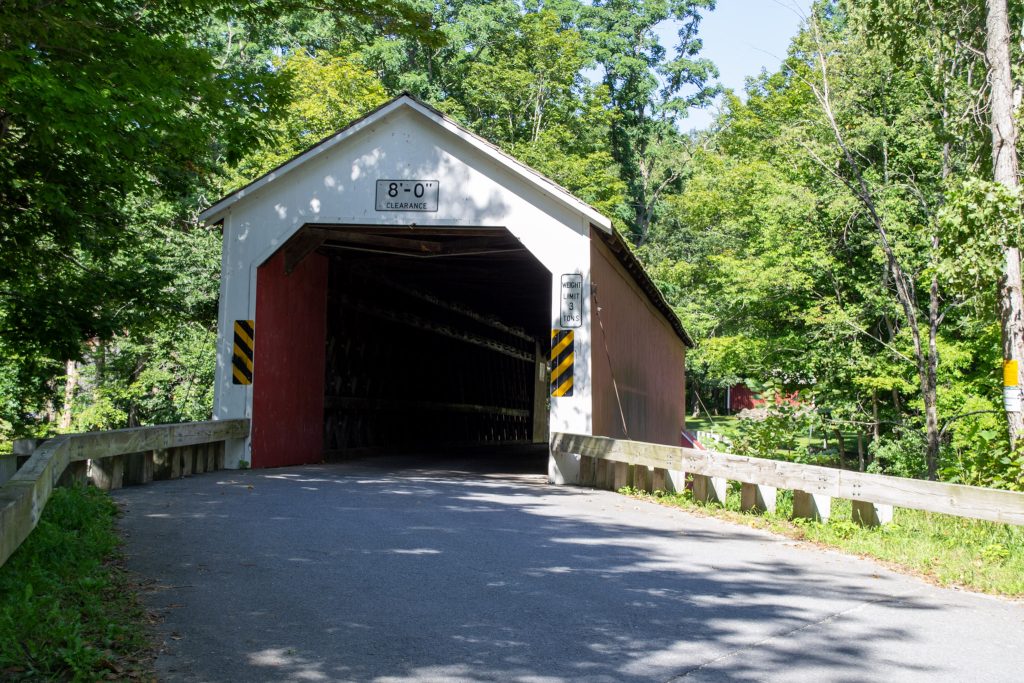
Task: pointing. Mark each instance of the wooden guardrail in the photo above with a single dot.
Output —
(118, 457)
(612, 463)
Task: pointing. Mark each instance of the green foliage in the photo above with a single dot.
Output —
(67, 612)
(979, 219)
(763, 438)
(652, 89)
(529, 81)
(99, 102)
(980, 456)
(119, 122)
(899, 454)
(771, 254)
(325, 93)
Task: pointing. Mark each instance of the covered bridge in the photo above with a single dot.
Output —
(404, 284)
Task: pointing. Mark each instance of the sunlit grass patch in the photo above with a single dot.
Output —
(952, 551)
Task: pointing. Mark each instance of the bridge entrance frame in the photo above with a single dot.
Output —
(290, 235)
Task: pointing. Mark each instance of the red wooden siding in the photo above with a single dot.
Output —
(288, 368)
(648, 358)
(742, 398)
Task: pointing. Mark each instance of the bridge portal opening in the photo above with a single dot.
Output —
(431, 340)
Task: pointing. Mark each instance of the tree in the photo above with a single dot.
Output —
(1004, 171)
(105, 107)
(980, 221)
(529, 95)
(644, 139)
(324, 93)
(821, 235)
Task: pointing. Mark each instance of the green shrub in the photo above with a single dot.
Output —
(901, 454)
(981, 456)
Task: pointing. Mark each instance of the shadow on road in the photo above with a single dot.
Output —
(403, 570)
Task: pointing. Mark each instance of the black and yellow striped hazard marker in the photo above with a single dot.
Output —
(562, 357)
(241, 360)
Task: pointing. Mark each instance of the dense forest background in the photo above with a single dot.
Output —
(838, 230)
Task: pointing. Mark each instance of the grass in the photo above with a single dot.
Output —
(67, 609)
(726, 425)
(950, 551)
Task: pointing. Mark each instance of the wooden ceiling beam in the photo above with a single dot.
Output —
(299, 247)
(405, 244)
(411, 231)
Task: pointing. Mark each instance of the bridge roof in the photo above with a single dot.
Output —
(407, 101)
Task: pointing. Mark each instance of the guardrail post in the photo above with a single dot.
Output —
(166, 464)
(602, 474)
(75, 474)
(8, 466)
(867, 513)
(23, 449)
(184, 456)
(813, 506)
(675, 481)
(757, 498)
(138, 468)
(642, 478)
(709, 489)
(659, 479)
(107, 473)
(198, 459)
(620, 475)
(588, 471)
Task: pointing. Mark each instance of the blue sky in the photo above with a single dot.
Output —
(741, 37)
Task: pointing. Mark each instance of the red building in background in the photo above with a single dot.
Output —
(741, 397)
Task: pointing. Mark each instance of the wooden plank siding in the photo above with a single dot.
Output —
(24, 495)
(952, 499)
(638, 359)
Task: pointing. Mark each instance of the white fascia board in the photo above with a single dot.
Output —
(542, 184)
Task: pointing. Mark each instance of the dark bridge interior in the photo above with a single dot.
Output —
(434, 338)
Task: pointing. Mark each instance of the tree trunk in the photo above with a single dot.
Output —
(70, 384)
(860, 450)
(930, 380)
(876, 426)
(1004, 170)
(842, 449)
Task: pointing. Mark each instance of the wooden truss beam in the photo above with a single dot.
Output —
(438, 328)
(386, 404)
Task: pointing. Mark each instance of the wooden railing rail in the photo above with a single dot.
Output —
(613, 463)
(119, 457)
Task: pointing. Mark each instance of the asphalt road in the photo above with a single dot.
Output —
(404, 569)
